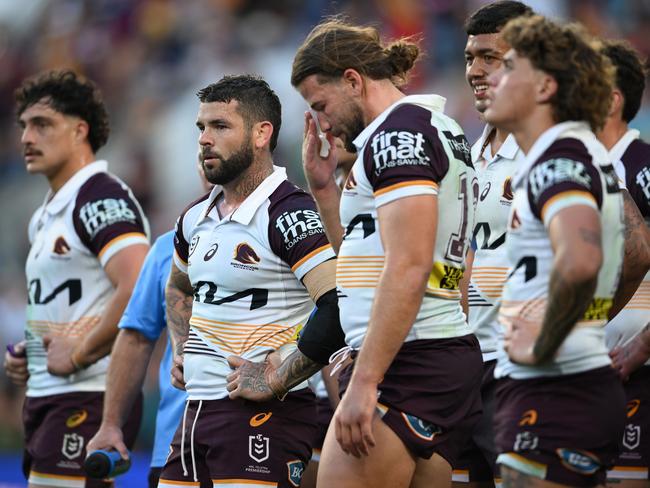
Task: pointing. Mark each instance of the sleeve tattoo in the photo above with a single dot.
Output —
(179, 298)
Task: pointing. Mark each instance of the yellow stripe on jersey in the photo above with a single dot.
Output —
(641, 299)
(598, 309)
(310, 255)
(444, 277)
(359, 271)
(489, 281)
(566, 194)
(239, 338)
(163, 483)
(120, 238)
(69, 329)
(403, 184)
(218, 482)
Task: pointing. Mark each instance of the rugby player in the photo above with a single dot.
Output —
(251, 259)
(88, 241)
(141, 325)
(417, 375)
(631, 159)
(495, 156)
(565, 244)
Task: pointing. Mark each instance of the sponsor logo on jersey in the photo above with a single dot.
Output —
(258, 448)
(598, 309)
(295, 470)
(99, 214)
(525, 441)
(633, 407)
(632, 436)
(398, 148)
(297, 225)
(61, 247)
(582, 462)
(444, 276)
(528, 418)
(73, 445)
(421, 428)
(643, 180)
(507, 195)
(211, 252)
(76, 419)
(260, 418)
(460, 148)
(555, 171)
(485, 191)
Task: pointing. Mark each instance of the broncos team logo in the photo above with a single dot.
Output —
(61, 247)
(421, 428)
(245, 254)
(507, 194)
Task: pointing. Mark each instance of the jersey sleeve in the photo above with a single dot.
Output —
(182, 232)
(563, 177)
(405, 156)
(296, 233)
(146, 309)
(107, 217)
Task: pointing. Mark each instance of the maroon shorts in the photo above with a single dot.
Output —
(324, 413)
(241, 442)
(566, 429)
(430, 394)
(57, 429)
(634, 459)
(477, 460)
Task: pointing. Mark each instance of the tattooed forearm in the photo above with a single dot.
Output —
(178, 298)
(636, 259)
(567, 302)
(295, 369)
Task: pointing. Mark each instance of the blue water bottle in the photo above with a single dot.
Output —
(106, 464)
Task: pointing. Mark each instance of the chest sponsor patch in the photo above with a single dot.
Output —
(398, 148)
(99, 214)
(296, 225)
(555, 171)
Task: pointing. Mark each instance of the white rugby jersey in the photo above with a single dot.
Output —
(412, 148)
(566, 166)
(73, 235)
(631, 159)
(490, 267)
(246, 270)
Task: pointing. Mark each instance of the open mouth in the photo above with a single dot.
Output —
(480, 89)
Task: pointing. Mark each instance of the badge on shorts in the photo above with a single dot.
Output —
(582, 462)
(73, 444)
(421, 428)
(258, 447)
(76, 419)
(632, 436)
(295, 468)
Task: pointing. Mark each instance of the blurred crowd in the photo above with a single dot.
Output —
(150, 56)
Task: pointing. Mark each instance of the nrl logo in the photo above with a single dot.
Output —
(73, 444)
(258, 448)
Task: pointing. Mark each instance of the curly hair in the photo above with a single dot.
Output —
(631, 73)
(70, 94)
(584, 76)
(335, 45)
(257, 102)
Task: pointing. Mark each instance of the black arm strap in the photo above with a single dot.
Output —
(322, 335)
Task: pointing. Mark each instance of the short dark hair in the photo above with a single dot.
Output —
(335, 45)
(631, 73)
(491, 18)
(257, 102)
(70, 94)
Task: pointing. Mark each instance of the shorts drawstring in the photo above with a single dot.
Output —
(196, 417)
(339, 356)
(187, 404)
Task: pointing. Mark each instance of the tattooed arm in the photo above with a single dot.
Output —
(263, 381)
(636, 261)
(178, 298)
(575, 234)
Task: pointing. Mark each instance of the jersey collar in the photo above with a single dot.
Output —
(508, 149)
(57, 202)
(246, 211)
(542, 144)
(431, 102)
(616, 152)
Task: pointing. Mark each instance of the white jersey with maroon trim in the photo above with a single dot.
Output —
(73, 235)
(490, 267)
(412, 148)
(631, 159)
(246, 270)
(566, 166)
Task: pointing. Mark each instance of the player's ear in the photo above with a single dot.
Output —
(81, 130)
(616, 105)
(546, 88)
(262, 132)
(353, 81)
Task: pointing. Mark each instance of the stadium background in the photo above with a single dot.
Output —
(150, 57)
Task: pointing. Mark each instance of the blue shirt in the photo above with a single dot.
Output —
(146, 314)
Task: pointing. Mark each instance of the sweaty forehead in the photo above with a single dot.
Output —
(482, 43)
